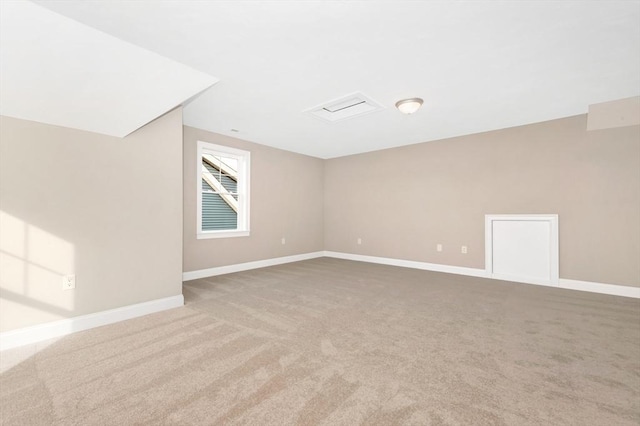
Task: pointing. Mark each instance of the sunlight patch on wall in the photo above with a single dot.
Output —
(32, 265)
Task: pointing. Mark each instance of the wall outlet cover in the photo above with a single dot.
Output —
(69, 282)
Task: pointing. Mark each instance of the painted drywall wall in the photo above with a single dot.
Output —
(402, 202)
(106, 209)
(618, 113)
(286, 202)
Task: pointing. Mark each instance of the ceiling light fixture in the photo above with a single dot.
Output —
(409, 106)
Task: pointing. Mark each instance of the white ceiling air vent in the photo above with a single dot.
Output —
(349, 106)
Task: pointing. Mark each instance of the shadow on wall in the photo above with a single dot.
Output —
(33, 263)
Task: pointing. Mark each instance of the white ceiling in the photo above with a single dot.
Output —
(57, 71)
(479, 65)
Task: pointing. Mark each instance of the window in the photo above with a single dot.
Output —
(223, 191)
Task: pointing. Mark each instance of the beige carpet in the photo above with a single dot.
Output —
(335, 342)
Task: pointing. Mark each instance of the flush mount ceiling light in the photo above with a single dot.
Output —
(409, 106)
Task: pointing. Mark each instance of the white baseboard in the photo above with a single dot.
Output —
(460, 270)
(229, 269)
(38, 333)
(612, 289)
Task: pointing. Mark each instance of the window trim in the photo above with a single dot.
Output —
(244, 179)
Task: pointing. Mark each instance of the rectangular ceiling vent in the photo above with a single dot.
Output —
(353, 105)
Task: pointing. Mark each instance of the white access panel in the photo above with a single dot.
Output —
(522, 248)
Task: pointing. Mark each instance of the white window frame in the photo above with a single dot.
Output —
(244, 178)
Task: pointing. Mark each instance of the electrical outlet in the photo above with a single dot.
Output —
(284, 241)
(438, 247)
(68, 282)
(463, 250)
(359, 241)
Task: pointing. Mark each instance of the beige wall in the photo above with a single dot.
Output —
(404, 201)
(286, 201)
(619, 113)
(104, 208)
(110, 210)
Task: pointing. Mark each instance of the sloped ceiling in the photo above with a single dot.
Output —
(479, 65)
(58, 71)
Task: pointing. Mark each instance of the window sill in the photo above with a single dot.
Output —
(222, 234)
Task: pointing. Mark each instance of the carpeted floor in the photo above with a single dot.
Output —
(336, 342)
